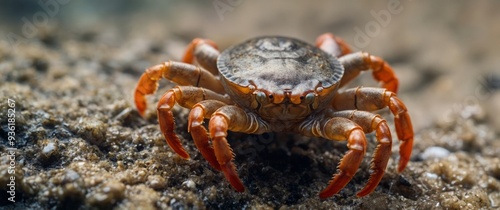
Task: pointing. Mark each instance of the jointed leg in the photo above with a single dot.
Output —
(180, 73)
(185, 96)
(206, 53)
(354, 63)
(332, 45)
(371, 99)
(235, 119)
(372, 122)
(199, 112)
(338, 128)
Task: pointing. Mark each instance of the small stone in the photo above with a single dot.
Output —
(49, 149)
(431, 175)
(157, 182)
(434, 153)
(71, 176)
(189, 184)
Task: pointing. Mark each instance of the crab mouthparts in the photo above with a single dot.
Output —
(286, 97)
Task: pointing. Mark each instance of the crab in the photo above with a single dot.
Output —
(281, 84)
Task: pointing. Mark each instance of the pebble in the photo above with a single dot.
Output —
(190, 184)
(434, 153)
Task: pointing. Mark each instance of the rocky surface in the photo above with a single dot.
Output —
(81, 143)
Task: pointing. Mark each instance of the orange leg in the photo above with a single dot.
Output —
(235, 119)
(338, 128)
(354, 63)
(185, 96)
(206, 53)
(371, 99)
(404, 128)
(180, 73)
(372, 122)
(333, 45)
(199, 112)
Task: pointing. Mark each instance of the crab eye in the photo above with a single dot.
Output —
(271, 96)
(261, 97)
(309, 98)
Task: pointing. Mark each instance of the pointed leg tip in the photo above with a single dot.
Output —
(141, 108)
(323, 196)
(141, 113)
(365, 191)
(402, 166)
(403, 162)
(360, 195)
(231, 175)
(239, 188)
(330, 191)
(237, 184)
(326, 194)
(184, 155)
(179, 150)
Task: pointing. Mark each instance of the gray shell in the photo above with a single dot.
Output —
(284, 62)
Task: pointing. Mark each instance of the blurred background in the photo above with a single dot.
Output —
(444, 52)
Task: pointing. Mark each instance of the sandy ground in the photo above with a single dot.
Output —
(81, 144)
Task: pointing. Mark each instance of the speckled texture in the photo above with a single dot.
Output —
(82, 145)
